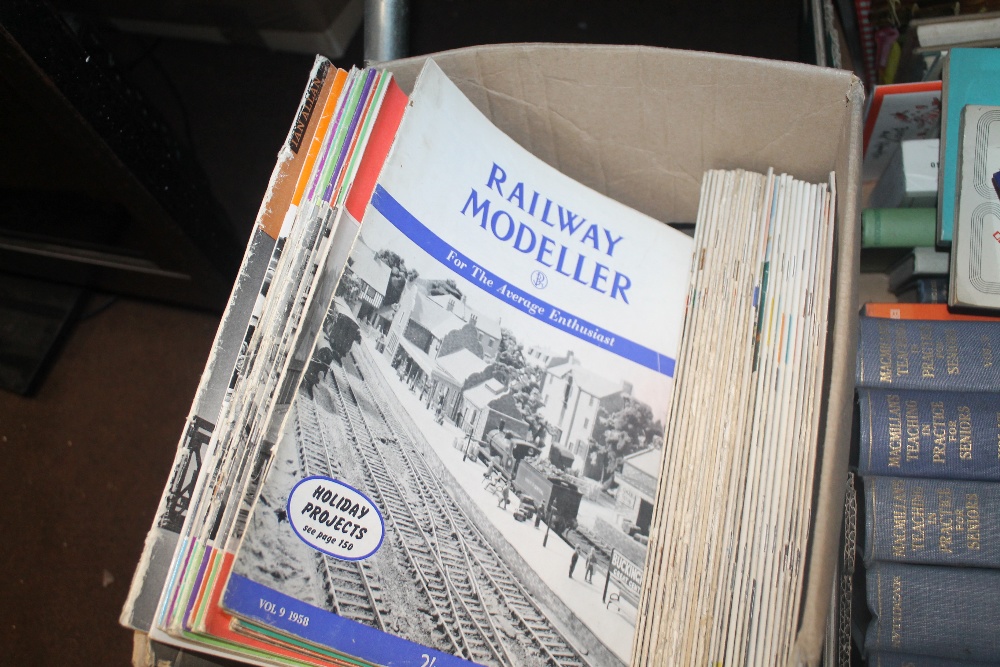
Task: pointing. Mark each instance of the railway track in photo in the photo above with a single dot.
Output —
(481, 557)
(483, 612)
(352, 592)
(487, 563)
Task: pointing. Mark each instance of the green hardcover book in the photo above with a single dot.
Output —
(898, 227)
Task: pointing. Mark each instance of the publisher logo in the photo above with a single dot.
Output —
(539, 279)
(335, 518)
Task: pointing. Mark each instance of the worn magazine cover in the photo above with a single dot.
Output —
(467, 470)
(228, 351)
(303, 281)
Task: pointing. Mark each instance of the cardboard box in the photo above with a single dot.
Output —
(642, 125)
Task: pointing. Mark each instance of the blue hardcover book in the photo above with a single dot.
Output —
(969, 77)
(924, 290)
(949, 612)
(932, 521)
(914, 433)
(953, 355)
(891, 659)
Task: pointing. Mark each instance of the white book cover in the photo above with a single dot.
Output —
(499, 354)
(957, 30)
(975, 265)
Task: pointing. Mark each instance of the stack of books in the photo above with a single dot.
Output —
(929, 404)
(899, 223)
(907, 40)
(932, 165)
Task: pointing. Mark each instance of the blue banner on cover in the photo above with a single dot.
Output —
(261, 604)
(499, 288)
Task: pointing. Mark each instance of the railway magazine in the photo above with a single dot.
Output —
(237, 326)
(499, 351)
(222, 466)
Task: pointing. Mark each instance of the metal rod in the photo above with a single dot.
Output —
(386, 30)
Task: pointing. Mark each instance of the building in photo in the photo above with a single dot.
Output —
(487, 329)
(543, 357)
(637, 490)
(573, 397)
(371, 277)
(448, 377)
(436, 342)
(491, 405)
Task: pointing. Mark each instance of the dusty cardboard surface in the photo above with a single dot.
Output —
(839, 390)
(641, 125)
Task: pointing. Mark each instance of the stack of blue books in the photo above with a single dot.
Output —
(929, 468)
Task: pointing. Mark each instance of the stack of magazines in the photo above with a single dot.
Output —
(454, 411)
(732, 521)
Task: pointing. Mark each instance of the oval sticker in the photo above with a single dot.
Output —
(335, 518)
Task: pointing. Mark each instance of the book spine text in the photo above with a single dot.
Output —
(890, 659)
(914, 433)
(933, 610)
(922, 354)
(932, 521)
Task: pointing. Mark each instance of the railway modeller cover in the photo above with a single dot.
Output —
(487, 289)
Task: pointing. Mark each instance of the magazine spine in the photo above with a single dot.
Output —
(146, 585)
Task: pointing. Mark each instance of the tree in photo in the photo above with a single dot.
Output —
(510, 358)
(528, 396)
(624, 432)
(399, 275)
(349, 289)
(465, 338)
(525, 381)
(507, 366)
(522, 379)
(437, 287)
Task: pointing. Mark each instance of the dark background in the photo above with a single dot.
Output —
(86, 457)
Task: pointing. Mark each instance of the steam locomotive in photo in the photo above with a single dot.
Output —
(557, 498)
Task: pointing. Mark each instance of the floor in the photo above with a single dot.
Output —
(88, 454)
